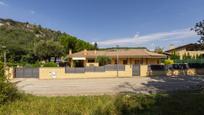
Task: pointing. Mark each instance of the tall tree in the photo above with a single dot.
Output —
(47, 49)
(175, 56)
(95, 45)
(158, 50)
(199, 29)
(71, 42)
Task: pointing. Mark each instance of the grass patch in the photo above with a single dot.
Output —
(175, 103)
(33, 105)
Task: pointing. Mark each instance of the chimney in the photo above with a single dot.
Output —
(70, 51)
(85, 52)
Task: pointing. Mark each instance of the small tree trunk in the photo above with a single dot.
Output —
(55, 59)
(49, 59)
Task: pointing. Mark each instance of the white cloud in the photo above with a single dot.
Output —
(143, 39)
(3, 3)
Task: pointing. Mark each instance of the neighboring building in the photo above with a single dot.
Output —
(125, 56)
(193, 50)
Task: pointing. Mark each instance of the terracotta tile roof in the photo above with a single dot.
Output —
(192, 46)
(139, 53)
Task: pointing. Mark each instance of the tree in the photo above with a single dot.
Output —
(159, 50)
(187, 56)
(175, 56)
(28, 43)
(103, 60)
(47, 49)
(95, 45)
(8, 91)
(71, 42)
(55, 49)
(199, 29)
(40, 50)
(81, 45)
(17, 42)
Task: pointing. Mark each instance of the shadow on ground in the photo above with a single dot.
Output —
(163, 96)
(163, 84)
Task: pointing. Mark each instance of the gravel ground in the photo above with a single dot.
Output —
(73, 87)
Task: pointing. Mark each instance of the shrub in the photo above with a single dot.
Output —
(28, 65)
(168, 62)
(50, 64)
(103, 60)
(130, 104)
(37, 64)
(10, 64)
(8, 92)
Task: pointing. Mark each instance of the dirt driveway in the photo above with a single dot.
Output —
(106, 85)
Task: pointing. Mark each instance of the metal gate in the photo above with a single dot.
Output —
(26, 72)
(136, 70)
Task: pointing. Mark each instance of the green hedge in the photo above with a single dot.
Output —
(196, 65)
(189, 61)
(50, 64)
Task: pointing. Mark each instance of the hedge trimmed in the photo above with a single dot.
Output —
(196, 65)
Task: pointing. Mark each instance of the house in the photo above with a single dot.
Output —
(125, 56)
(194, 50)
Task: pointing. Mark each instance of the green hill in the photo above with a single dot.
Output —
(29, 43)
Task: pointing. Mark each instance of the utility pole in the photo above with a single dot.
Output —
(117, 46)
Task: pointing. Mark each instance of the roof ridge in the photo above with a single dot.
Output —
(147, 51)
(126, 52)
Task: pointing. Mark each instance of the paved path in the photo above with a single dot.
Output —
(106, 85)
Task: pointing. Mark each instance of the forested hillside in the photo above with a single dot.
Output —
(29, 43)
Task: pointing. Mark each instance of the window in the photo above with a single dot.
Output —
(137, 61)
(115, 61)
(141, 61)
(158, 61)
(91, 60)
(125, 61)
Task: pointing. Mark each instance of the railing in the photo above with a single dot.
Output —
(74, 70)
(26, 72)
(95, 69)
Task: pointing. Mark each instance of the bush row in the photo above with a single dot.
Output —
(196, 65)
(37, 64)
(176, 66)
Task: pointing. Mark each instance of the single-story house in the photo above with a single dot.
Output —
(188, 49)
(124, 56)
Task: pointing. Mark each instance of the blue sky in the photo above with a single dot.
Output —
(148, 23)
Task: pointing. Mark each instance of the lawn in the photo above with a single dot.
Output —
(174, 103)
